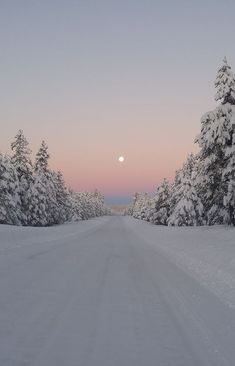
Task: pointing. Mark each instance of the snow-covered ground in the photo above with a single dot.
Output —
(207, 253)
(117, 291)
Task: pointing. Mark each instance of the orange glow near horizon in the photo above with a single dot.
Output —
(88, 155)
(141, 171)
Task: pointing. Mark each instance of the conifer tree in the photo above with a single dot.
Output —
(162, 203)
(215, 141)
(60, 194)
(187, 209)
(225, 84)
(37, 202)
(42, 157)
(229, 184)
(10, 204)
(21, 155)
(22, 163)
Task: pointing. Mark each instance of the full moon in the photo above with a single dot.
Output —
(121, 159)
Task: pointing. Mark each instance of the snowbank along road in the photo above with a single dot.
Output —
(115, 291)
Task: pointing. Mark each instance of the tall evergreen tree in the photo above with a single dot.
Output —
(38, 204)
(229, 184)
(188, 208)
(225, 84)
(162, 203)
(10, 204)
(42, 157)
(22, 162)
(38, 196)
(215, 139)
(21, 155)
(60, 194)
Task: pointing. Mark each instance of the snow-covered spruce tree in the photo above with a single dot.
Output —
(75, 207)
(130, 207)
(21, 155)
(85, 200)
(144, 207)
(133, 205)
(45, 200)
(140, 206)
(38, 196)
(10, 205)
(61, 197)
(216, 140)
(89, 205)
(228, 178)
(150, 210)
(187, 209)
(98, 203)
(85, 205)
(37, 202)
(225, 84)
(161, 211)
(42, 157)
(22, 163)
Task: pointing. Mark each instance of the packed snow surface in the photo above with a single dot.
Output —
(116, 291)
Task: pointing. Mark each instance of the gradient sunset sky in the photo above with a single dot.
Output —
(98, 79)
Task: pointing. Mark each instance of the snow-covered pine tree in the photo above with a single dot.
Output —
(23, 165)
(162, 203)
(91, 204)
(141, 206)
(188, 208)
(10, 205)
(225, 84)
(99, 203)
(60, 194)
(42, 157)
(215, 140)
(85, 205)
(137, 205)
(228, 178)
(75, 206)
(144, 207)
(150, 209)
(226, 92)
(175, 187)
(38, 196)
(133, 204)
(38, 202)
(21, 155)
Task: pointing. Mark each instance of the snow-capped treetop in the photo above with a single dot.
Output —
(21, 154)
(42, 156)
(225, 84)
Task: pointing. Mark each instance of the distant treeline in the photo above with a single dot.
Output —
(203, 191)
(32, 194)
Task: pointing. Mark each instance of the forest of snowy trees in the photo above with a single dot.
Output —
(203, 190)
(32, 194)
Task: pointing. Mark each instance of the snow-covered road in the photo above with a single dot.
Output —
(115, 291)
